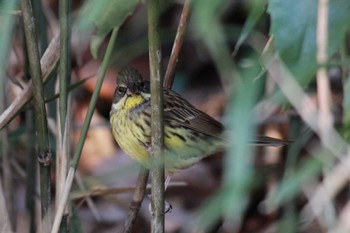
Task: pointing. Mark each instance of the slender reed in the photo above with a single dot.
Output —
(43, 151)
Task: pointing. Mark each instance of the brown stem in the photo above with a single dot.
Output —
(180, 35)
(48, 63)
(140, 191)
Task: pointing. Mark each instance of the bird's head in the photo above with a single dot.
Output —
(132, 89)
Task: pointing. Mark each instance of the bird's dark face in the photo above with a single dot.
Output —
(131, 88)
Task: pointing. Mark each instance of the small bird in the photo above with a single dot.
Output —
(189, 134)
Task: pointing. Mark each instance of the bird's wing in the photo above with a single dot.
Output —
(178, 112)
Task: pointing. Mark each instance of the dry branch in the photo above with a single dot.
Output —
(48, 62)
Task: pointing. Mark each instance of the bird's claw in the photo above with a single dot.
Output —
(168, 208)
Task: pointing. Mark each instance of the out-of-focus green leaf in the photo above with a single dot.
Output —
(293, 26)
(238, 166)
(206, 24)
(71, 87)
(104, 15)
(211, 212)
(6, 17)
(253, 18)
(345, 130)
(291, 185)
(231, 201)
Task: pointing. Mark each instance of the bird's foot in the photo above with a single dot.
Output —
(149, 148)
(168, 208)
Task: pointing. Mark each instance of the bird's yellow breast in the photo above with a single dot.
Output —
(133, 101)
(129, 136)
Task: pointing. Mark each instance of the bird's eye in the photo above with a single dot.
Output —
(121, 90)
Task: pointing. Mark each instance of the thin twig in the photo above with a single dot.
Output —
(140, 191)
(104, 191)
(48, 63)
(43, 150)
(179, 38)
(323, 86)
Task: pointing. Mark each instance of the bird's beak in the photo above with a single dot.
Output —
(132, 91)
(128, 92)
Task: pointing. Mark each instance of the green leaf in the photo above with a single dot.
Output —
(291, 184)
(253, 18)
(238, 161)
(293, 26)
(104, 15)
(6, 25)
(346, 101)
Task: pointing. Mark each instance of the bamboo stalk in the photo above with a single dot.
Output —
(64, 74)
(31, 174)
(65, 64)
(168, 81)
(31, 164)
(43, 149)
(41, 25)
(157, 125)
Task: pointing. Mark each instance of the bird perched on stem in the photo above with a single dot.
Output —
(189, 134)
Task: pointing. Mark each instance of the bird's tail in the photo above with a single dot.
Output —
(268, 141)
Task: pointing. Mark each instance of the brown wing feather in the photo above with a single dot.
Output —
(178, 112)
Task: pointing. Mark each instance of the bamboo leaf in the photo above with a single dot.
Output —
(104, 15)
(253, 18)
(291, 185)
(293, 26)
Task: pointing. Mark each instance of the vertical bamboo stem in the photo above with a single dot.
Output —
(43, 149)
(157, 124)
(64, 74)
(64, 68)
